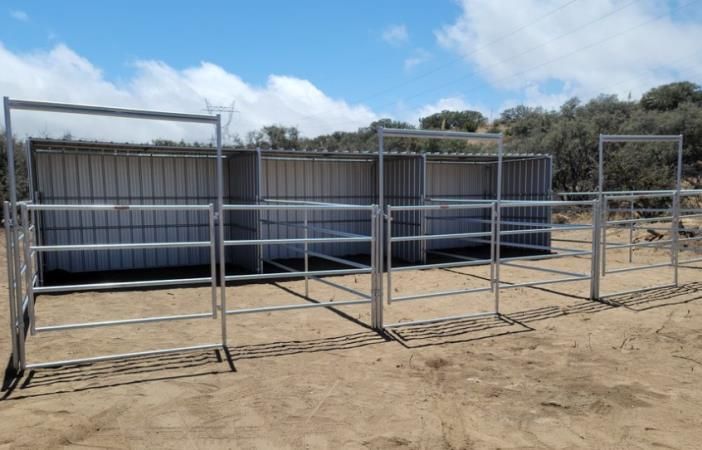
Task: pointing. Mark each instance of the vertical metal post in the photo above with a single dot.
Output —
(388, 265)
(602, 208)
(631, 230)
(12, 184)
(423, 229)
(220, 218)
(595, 257)
(11, 282)
(213, 258)
(498, 220)
(603, 226)
(675, 236)
(380, 236)
(676, 210)
(259, 195)
(28, 267)
(376, 272)
(307, 249)
(492, 247)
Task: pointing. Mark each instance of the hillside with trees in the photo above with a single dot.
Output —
(569, 134)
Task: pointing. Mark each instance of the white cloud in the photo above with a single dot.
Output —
(630, 62)
(420, 56)
(17, 14)
(64, 76)
(395, 34)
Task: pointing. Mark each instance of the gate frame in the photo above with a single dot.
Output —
(12, 222)
(436, 134)
(373, 298)
(603, 198)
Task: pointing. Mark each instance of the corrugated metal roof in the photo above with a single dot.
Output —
(63, 145)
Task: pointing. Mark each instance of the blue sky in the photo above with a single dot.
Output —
(323, 65)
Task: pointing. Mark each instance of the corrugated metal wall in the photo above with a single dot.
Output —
(153, 178)
(526, 179)
(122, 178)
(242, 188)
(404, 185)
(317, 179)
(460, 180)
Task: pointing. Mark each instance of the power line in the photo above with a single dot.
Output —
(518, 55)
(551, 61)
(229, 110)
(456, 59)
(459, 59)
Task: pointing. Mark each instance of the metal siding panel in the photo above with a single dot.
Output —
(123, 179)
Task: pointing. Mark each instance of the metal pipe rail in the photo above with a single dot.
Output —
(605, 197)
(11, 213)
(28, 271)
(497, 138)
(307, 274)
(564, 252)
(390, 240)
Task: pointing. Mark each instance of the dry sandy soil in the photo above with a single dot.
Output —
(559, 371)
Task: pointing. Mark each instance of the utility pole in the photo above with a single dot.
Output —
(229, 111)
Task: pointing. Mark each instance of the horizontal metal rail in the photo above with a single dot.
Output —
(509, 222)
(446, 265)
(312, 228)
(635, 268)
(306, 202)
(639, 220)
(530, 203)
(94, 207)
(660, 243)
(454, 255)
(339, 207)
(97, 359)
(440, 207)
(296, 241)
(300, 274)
(546, 248)
(344, 261)
(688, 261)
(545, 230)
(635, 196)
(437, 134)
(145, 245)
(108, 323)
(641, 138)
(433, 237)
(548, 256)
(321, 280)
(119, 285)
(30, 105)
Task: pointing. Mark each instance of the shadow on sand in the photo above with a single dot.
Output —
(45, 382)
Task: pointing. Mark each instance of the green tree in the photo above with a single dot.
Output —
(669, 96)
(454, 120)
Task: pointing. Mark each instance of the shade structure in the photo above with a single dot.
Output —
(77, 172)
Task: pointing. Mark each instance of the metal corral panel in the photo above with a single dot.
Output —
(122, 178)
(404, 185)
(242, 188)
(458, 179)
(526, 179)
(340, 180)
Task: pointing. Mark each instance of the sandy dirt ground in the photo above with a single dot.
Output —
(559, 371)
